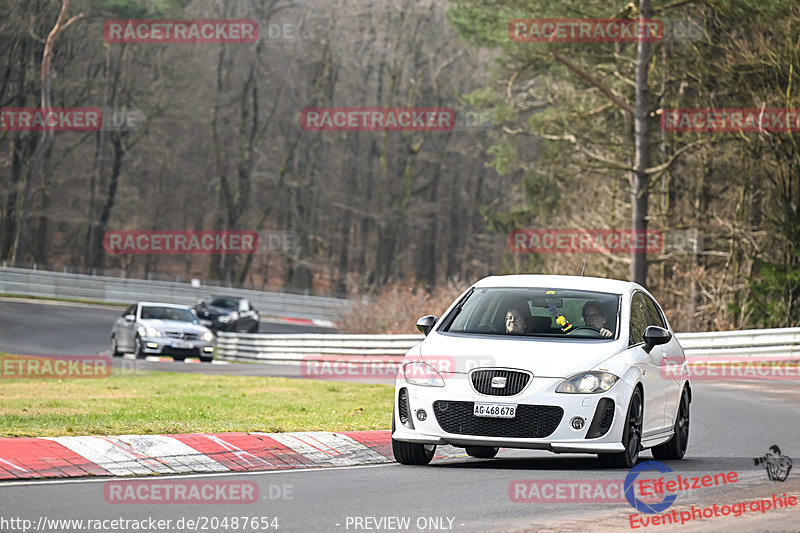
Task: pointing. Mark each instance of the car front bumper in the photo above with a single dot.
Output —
(177, 347)
(216, 325)
(564, 438)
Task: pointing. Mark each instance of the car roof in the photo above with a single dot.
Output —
(226, 297)
(162, 304)
(559, 282)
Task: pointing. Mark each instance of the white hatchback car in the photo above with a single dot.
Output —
(560, 363)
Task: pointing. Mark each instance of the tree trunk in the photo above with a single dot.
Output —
(20, 248)
(639, 179)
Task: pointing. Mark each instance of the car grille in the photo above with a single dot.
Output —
(531, 421)
(181, 352)
(182, 335)
(515, 381)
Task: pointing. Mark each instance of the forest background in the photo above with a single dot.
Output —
(549, 136)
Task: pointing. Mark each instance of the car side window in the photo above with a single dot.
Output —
(655, 317)
(639, 319)
(131, 310)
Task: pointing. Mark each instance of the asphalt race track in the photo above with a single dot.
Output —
(731, 424)
(56, 328)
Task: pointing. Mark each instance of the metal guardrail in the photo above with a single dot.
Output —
(783, 343)
(121, 290)
(269, 348)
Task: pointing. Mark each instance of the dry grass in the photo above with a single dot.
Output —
(396, 307)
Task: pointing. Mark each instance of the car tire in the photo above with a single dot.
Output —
(482, 452)
(114, 348)
(137, 348)
(412, 453)
(675, 448)
(253, 329)
(206, 359)
(631, 436)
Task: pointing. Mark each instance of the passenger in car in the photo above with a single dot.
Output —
(594, 315)
(516, 321)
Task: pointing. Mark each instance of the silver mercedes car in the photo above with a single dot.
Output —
(152, 328)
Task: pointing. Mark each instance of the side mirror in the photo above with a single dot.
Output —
(654, 335)
(130, 318)
(426, 323)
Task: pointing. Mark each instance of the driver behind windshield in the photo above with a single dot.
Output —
(594, 315)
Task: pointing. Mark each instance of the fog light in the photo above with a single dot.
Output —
(577, 423)
(153, 345)
(422, 415)
(208, 348)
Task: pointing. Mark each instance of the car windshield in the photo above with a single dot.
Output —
(167, 313)
(225, 303)
(540, 312)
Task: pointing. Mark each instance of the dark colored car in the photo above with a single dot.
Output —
(228, 313)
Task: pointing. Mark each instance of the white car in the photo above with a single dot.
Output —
(560, 363)
(152, 328)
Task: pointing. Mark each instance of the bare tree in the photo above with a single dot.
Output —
(62, 23)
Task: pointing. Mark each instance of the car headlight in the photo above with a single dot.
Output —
(422, 374)
(149, 331)
(587, 383)
(224, 319)
(208, 336)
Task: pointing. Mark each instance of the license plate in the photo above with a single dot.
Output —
(181, 344)
(495, 410)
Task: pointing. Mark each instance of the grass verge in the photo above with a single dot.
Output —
(139, 402)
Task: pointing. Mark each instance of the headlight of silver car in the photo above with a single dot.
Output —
(422, 374)
(587, 383)
(149, 331)
(208, 336)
